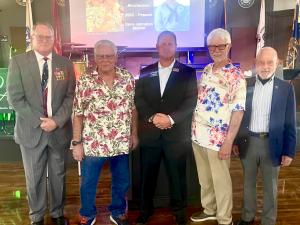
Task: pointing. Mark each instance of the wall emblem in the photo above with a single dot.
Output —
(246, 3)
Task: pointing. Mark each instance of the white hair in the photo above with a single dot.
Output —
(106, 43)
(48, 25)
(219, 32)
(267, 48)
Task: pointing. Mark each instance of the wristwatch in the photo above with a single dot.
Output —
(74, 143)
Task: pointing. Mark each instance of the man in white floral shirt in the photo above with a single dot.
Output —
(217, 117)
(104, 128)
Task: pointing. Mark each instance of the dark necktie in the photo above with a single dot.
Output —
(44, 82)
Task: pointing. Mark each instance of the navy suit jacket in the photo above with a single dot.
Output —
(282, 125)
(178, 100)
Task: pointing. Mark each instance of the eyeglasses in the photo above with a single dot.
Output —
(42, 37)
(104, 57)
(219, 47)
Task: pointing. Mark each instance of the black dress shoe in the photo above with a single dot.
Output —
(38, 223)
(181, 222)
(60, 220)
(143, 218)
(180, 219)
(243, 222)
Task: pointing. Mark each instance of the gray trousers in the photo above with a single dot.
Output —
(257, 156)
(35, 161)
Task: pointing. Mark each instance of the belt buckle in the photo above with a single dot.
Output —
(263, 135)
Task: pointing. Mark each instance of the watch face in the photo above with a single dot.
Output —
(74, 143)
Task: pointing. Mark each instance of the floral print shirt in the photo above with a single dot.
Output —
(219, 94)
(107, 113)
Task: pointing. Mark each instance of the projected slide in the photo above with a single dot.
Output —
(172, 15)
(104, 16)
(136, 23)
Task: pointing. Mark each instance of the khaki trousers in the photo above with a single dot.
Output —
(215, 182)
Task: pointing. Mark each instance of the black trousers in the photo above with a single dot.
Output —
(174, 155)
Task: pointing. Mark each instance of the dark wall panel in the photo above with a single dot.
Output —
(279, 29)
(243, 46)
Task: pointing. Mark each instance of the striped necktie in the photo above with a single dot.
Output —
(44, 82)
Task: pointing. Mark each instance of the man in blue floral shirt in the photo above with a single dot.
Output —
(217, 117)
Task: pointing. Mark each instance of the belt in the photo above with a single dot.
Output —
(259, 135)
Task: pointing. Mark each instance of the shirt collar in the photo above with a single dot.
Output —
(118, 73)
(169, 67)
(269, 81)
(41, 57)
(228, 65)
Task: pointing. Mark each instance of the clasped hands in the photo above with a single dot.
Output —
(48, 124)
(162, 121)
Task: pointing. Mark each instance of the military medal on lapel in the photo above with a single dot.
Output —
(59, 74)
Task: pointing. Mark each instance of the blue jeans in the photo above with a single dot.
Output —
(90, 171)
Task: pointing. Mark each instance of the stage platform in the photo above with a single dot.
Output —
(14, 210)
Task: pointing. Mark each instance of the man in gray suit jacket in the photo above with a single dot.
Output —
(40, 88)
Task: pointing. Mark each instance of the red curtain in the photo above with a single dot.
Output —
(57, 27)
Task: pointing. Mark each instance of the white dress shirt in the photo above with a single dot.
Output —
(41, 61)
(164, 74)
(261, 106)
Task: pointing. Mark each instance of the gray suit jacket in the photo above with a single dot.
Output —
(25, 96)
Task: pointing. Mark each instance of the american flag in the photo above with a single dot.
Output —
(29, 25)
(57, 27)
(294, 41)
(261, 27)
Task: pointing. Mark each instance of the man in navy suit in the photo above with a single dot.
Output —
(267, 136)
(165, 98)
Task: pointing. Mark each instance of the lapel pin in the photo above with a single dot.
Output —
(153, 74)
